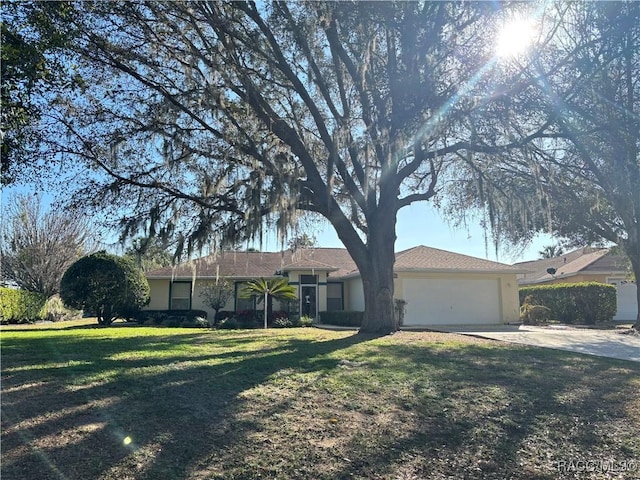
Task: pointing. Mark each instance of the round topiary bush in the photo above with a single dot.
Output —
(106, 285)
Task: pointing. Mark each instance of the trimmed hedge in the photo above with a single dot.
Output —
(172, 318)
(342, 318)
(583, 303)
(20, 306)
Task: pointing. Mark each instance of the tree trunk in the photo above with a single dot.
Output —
(635, 265)
(377, 277)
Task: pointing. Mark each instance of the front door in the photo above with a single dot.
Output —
(308, 303)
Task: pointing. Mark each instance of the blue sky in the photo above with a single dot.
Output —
(418, 224)
(421, 224)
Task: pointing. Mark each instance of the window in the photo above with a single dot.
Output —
(334, 297)
(243, 304)
(308, 279)
(180, 296)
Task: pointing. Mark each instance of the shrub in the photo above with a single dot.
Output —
(283, 323)
(55, 311)
(108, 285)
(229, 324)
(162, 317)
(222, 314)
(342, 318)
(248, 319)
(531, 314)
(20, 306)
(306, 321)
(279, 314)
(587, 302)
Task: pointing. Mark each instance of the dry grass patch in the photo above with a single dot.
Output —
(150, 403)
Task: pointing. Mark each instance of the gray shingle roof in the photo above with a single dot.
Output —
(335, 260)
(583, 260)
(423, 258)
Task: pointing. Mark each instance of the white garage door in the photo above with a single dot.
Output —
(451, 302)
(627, 300)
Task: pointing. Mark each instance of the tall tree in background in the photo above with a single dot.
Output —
(217, 120)
(551, 251)
(32, 67)
(581, 179)
(302, 241)
(38, 246)
(149, 253)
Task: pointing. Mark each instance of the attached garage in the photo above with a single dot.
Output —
(446, 288)
(627, 300)
(450, 301)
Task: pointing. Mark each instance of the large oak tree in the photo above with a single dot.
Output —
(210, 120)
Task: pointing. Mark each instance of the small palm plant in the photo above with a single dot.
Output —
(277, 288)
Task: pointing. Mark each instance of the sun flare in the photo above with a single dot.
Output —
(515, 37)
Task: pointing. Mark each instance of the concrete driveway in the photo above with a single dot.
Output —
(603, 343)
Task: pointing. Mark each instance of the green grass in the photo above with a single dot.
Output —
(154, 403)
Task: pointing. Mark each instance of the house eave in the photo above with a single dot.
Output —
(496, 271)
(210, 277)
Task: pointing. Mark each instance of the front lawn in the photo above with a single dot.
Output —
(154, 403)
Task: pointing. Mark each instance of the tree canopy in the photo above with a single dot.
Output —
(105, 285)
(33, 68)
(581, 177)
(209, 120)
(38, 245)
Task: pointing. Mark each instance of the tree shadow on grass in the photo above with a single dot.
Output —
(217, 412)
(515, 413)
(149, 417)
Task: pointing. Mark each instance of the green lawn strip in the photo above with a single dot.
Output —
(148, 403)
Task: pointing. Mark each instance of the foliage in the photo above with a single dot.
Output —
(217, 294)
(531, 314)
(54, 310)
(149, 253)
(107, 285)
(241, 115)
(38, 246)
(263, 289)
(579, 178)
(551, 251)
(302, 241)
(229, 324)
(284, 321)
(30, 71)
(222, 314)
(586, 302)
(19, 306)
(177, 317)
(342, 318)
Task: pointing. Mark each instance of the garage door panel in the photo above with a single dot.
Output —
(627, 301)
(451, 301)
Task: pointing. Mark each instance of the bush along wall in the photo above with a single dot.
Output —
(575, 303)
(342, 318)
(20, 306)
(173, 318)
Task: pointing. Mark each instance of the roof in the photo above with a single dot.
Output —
(423, 258)
(581, 261)
(335, 260)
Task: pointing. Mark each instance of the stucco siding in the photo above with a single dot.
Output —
(354, 295)
(159, 292)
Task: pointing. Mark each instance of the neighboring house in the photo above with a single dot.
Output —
(439, 287)
(586, 265)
